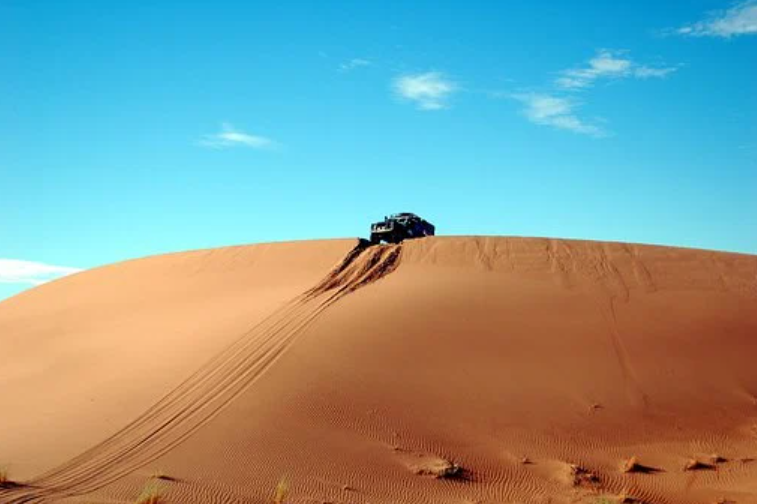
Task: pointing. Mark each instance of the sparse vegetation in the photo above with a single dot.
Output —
(581, 476)
(450, 471)
(620, 499)
(631, 465)
(696, 465)
(158, 474)
(717, 459)
(625, 498)
(5, 480)
(282, 491)
(151, 494)
(440, 469)
(161, 475)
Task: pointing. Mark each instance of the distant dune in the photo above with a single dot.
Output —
(443, 370)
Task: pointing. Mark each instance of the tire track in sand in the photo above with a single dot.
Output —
(202, 396)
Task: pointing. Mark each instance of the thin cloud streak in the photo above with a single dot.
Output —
(645, 72)
(608, 64)
(354, 64)
(14, 271)
(230, 137)
(555, 111)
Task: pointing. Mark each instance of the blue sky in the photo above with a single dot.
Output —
(136, 128)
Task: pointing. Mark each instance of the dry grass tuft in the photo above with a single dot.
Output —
(622, 498)
(5, 481)
(151, 494)
(581, 476)
(282, 491)
(625, 498)
(440, 469)
(696, 465)
(633, 466)
(161, 475)
(717, 459)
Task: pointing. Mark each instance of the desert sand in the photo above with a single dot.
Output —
(442, 370)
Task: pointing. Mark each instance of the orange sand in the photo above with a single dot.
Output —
(443, 370)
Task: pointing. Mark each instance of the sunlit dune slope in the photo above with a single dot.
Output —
(538, 366)
(85, 354)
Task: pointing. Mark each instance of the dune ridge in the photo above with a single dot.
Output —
(537, 368)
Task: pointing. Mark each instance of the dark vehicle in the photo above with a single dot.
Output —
(401, 226)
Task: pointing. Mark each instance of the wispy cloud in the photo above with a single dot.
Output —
(430, 91)
(741, 19)
(557, 112)
(645, 72)
(231, 137)
(608, 64)
(354, 63)
(557, 106)
(14, 271)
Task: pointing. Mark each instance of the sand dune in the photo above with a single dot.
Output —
(442, 370)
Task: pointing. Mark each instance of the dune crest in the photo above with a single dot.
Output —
(478, 350)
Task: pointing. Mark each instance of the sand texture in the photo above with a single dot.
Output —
(442, 370)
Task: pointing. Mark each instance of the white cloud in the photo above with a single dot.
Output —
(353, 64)
(741, 19)
(14, 271)
(556, 109)
(608, 65)
(645, 72)
(230, 137)
(557, 112)
(430, 91)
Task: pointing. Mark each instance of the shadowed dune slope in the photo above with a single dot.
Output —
(538, 366)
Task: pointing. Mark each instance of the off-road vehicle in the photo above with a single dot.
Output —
(401, 226)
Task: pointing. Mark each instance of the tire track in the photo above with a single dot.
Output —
(634, 391)
(202, 396)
